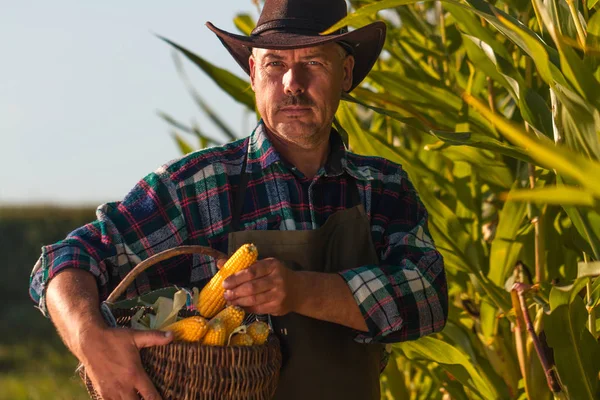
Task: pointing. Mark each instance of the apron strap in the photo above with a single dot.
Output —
(354, 195)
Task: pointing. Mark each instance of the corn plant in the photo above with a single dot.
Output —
(493, 109)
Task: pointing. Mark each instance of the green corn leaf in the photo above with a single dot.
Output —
(505, 248)
(184, 146)
(560, 195)
(484, 57)
(237, 88)
(544, 151)
(576, 352)
(471, 24)
(573, 68)
(580, 122)
(452, 360)
(491, 170)
(244, 23)
(591, 269)
(480, 141)
(228, 132)
(174, 123)
(565, 295)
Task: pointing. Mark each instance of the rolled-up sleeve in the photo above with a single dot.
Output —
(405, 296)
(147, 221)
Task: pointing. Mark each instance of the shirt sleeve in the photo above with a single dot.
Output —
(147, 221)
(405, 296)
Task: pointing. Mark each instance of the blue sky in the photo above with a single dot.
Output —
(80, 84)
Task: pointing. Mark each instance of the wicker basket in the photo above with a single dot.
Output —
(186, 371)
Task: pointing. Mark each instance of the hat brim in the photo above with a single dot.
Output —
(366, 44)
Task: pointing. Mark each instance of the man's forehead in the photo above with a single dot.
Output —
(323, 49)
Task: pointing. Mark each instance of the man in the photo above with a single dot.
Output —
(347, 263)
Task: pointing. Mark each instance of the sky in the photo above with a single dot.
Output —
(80, 86)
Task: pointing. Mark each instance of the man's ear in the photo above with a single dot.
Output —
(348, 68)
(252, 66)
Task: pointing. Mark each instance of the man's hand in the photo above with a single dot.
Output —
(110, 355)
(112, 361)
(266, 287)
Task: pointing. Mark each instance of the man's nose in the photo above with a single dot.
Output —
(293, 81)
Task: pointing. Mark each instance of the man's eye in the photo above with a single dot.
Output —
(274, 64)
(312, 62)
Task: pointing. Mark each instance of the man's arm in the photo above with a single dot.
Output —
(403, 298)
(269, 287)
(110, 355)
(72, 276)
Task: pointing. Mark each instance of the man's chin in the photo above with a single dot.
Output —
(297, 128)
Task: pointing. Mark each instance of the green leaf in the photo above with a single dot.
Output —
(228, 132)
(576, 352)
(480, 141)
(580, 122)
(237, 88)
(452, 360)
(564, 295)
(573, 68)
(184, 146)
(591, 3)
(471, 24)
(543, 151)
(244, 23)
(560, 195)
(591, 269)
(492, 170)
(505, 248)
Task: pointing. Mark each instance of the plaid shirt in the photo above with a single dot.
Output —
(189, 202)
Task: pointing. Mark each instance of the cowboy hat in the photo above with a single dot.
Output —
(292, 24)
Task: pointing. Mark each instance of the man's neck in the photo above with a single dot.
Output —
(308, 159)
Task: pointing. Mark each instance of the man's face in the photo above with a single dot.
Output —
(298, 91)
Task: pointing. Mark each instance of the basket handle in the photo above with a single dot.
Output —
(163, 255)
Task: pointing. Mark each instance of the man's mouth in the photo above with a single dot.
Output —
(292, 110)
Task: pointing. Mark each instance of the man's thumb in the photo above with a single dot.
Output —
(151, 338)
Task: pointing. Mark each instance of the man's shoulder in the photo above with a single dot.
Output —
(376, 167)
(226, 159)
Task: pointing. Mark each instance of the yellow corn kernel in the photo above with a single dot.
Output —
(259, 331)
(232, 317)
(190, 329)
(241, 339)
(215, 336)
(211, 300)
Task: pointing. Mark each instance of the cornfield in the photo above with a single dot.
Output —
(493, 109)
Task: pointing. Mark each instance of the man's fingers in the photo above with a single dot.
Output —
(254, 299)
(221, 262)
(151, 338)
(147, 389)
(256, 270)
(250, 288)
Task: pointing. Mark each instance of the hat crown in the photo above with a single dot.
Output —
(306, 16)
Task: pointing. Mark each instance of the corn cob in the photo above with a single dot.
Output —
(215, 336)
(241, 339)
(190, 329)
(232, 317)
(211, 300)
(259, 331)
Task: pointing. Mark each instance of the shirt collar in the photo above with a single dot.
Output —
(262, 154)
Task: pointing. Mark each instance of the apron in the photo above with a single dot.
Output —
(321, 360)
